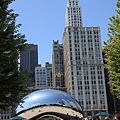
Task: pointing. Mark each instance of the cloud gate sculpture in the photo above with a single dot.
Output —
(49, 101)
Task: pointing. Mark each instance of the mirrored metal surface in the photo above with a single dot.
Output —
(47, 97)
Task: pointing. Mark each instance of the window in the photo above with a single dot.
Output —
(72, 87)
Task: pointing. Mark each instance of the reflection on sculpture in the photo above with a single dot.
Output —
(48, 97)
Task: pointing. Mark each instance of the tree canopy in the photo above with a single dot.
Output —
(112, 50)
(11, 43)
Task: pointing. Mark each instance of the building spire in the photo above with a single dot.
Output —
(73, 14)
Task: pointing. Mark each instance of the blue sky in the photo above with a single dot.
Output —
(44, 21)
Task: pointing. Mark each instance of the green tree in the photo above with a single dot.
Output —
(11, 43)
(112, 50)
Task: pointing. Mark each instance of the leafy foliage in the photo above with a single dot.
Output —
(112, 50)
(11, 43)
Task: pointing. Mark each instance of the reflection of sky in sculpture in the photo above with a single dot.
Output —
(47, 96)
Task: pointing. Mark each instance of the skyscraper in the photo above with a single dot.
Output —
(29, 59)
(57, 65)
(83, 61)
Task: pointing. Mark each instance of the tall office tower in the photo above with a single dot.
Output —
(43, 76)
(83, 62)
(29, 59)
(58, 66)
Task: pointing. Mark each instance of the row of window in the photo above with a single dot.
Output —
(73, 3)
(5, 117)
(85, 36)
(84, 32)
(86, 68)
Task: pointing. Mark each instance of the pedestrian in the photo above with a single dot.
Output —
(97, 118)
(117, 116)
(106, 118)
(85, 118)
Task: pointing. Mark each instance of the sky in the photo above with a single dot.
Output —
(44, 21)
